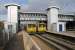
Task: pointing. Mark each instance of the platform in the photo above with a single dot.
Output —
(21, 41)
(69, 33)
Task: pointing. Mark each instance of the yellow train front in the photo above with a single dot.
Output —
(41, 27)
(31, 28)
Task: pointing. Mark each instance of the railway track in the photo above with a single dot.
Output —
(59, 43)
(70, 40)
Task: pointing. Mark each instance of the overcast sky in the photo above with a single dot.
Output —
(37, 5)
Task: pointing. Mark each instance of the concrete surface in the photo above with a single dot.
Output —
(21, 41)
(69, 33)
(42, 44)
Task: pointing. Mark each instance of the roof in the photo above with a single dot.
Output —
(12, 4)
(52, 7)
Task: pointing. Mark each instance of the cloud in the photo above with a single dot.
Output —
(2, 9)
(38, 4)
(41, 5)
(64, 5)
(67, 6)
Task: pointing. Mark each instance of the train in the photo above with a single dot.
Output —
(41, 27)
(31, 28)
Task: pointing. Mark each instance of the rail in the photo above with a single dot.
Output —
(56, 42)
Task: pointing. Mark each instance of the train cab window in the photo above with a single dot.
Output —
(41, 25)
(31, 25)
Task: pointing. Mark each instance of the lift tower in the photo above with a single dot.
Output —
(52, 19)
(12, 17)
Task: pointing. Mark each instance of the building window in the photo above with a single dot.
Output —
(36, 14)
(10, 28)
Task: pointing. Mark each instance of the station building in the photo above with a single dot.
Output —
(54, 21)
